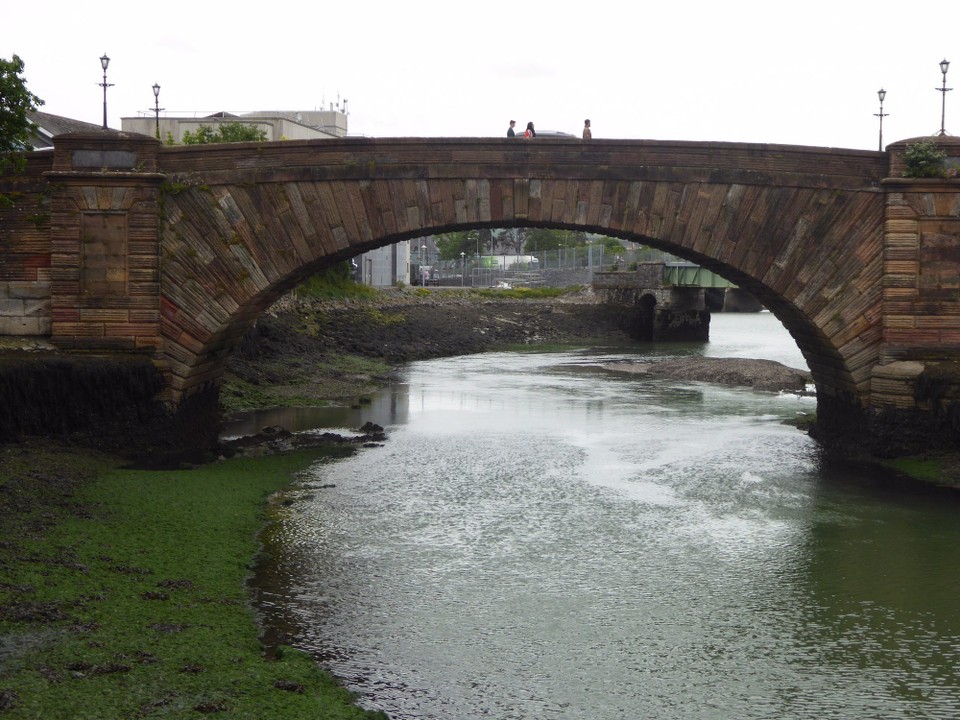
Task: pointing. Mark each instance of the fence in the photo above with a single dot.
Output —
(553, 268)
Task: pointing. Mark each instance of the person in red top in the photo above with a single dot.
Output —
(529, 132)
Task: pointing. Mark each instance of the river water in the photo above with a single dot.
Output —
(537, 539)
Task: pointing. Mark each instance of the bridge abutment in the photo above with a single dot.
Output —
(651, 310)
(915, 386)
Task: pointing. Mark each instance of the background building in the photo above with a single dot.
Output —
(384, 267)
(49, 126)
(277, 125)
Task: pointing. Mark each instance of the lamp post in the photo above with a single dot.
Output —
(423, 275)
(463, 267)
(104, 62)
(944, 65)
(156, 106)
(881, 93)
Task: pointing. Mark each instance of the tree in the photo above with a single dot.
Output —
(513, 240)
(224, 133)
(541, 239)
(451, 244)
(611, 244)
(15, 102)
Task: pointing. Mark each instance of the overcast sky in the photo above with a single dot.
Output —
(799, 73)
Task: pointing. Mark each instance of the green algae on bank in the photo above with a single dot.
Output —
(124, 596)
(941, 469)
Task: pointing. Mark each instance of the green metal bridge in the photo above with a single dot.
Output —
(684, 274)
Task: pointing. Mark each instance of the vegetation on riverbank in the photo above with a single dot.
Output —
(122, 592)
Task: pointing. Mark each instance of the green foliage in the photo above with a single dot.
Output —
(924, 160)
(611, 244)
(540, 239)
(526, 293)
(228, 132)
(334, 283)
(15, 102)
(468, 242)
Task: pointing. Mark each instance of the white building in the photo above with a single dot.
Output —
(276, 125)
(384, 267)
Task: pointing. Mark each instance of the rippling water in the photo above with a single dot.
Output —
(539, 540)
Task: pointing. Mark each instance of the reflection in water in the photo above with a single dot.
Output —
(538, 541)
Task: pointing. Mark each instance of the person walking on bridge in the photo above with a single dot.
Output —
(529, 132)
(587, 133)
(510, 132)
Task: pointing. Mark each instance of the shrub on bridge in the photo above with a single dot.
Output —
(924, 160)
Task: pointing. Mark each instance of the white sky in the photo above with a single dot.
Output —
(801, 73)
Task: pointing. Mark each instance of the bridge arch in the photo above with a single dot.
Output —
(799, 228)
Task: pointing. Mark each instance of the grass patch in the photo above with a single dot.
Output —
(335, 283)
(526, 293)
(123, 595)
(237, 394)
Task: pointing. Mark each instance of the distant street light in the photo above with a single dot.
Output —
(156, 106)
(881, 93)
(104, 62)
(423, 274)
(944, 65)
(463, 267)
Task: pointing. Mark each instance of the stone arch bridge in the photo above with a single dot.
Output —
(116, 243)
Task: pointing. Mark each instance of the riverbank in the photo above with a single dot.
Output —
(337, 350)
(100, 608)
(302, 350)
(123, 592)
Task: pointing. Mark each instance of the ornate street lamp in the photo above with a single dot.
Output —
(944, 65)
(156, 106)
(881, 93)
(104, 62)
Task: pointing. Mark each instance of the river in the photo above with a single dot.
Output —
(537, 539)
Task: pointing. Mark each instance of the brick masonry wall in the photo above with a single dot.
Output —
(25, 306)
